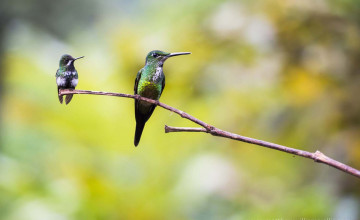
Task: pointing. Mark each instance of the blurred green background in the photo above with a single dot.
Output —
(284, 71)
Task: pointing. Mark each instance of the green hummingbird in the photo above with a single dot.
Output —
(149, 83)
(66, 76)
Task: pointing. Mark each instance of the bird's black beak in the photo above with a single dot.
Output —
(79, 58)
(174, 54)
(177, 54)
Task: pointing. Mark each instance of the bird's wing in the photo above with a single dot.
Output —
(163, 86)
(57, 74)
(138, 76)
(60, 97)
(138, 115)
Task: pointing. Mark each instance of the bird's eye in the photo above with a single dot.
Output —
(155, 55)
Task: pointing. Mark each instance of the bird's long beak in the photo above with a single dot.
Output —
(79, 57)
(177, 54)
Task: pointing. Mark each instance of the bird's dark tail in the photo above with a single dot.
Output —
(138, 131)
(68, 98)
(60, 96)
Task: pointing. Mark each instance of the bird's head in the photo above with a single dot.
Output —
(66, 60)
(158, 57)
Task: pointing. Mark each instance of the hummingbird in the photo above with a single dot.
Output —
(66, 76)
(149, 83)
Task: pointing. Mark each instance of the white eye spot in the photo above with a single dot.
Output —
(69, 62)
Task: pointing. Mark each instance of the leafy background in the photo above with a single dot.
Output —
(283, 71)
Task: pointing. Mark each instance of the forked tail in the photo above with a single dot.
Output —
(60, 96)
(68, 98)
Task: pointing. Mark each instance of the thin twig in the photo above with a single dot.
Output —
(317, 156)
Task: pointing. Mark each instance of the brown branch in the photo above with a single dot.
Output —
(317, 156)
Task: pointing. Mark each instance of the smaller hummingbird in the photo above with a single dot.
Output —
(66, 76)
(149, 83)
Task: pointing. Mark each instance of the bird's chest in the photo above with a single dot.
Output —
(69, 74)
(150, 85)
(157, 76)
(149, 89)
(67, 79)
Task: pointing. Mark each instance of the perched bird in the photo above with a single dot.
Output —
(66, 76)
(149, 83)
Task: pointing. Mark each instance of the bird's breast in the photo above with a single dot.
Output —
(149, 90)
(60, 81)
(74, 82)
(67, 81)
(70, 73)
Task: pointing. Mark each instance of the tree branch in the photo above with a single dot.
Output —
(206, 128)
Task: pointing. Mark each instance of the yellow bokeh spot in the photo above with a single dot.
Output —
(304, 87)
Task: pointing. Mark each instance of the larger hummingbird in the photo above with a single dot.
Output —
(67, 76)
(149, 83)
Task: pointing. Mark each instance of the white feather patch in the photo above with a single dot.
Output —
(68, 73)
(157, 74)
(74, 82)
(60, 81)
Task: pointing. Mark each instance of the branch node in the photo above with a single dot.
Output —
(182, 114)
(167, 129)
(320, 157)
(210, 128)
